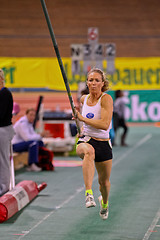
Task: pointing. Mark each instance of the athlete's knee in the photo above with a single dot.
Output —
(86, 151)
(104, 182)
(89, 152)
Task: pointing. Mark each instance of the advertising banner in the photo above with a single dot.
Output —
(141, 105)
(139, 78)
(136, 73)
(130, 73)
(32, 73)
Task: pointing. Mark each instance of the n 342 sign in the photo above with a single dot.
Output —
(87, 51)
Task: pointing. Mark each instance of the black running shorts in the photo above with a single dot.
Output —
(103, 149)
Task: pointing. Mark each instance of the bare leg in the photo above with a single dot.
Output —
(104, 172)
(86, 152)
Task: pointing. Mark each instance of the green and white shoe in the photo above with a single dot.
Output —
(103, 211)
(90, 201)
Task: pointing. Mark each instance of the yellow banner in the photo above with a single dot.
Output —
(136, 74)
(130, 73)
(32, 73)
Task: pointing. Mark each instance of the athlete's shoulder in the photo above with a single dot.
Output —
(82, 98)
(107, 97)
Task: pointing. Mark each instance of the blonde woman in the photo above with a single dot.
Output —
(94, 147)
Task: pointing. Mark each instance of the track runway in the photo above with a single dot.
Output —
(59, 212)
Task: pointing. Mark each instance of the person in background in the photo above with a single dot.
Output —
(94, 145)
(112, 133)
(16, 109)
(119, 116)
(6, 134)
(26, 139)
(15, 112)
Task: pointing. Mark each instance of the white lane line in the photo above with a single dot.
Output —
(57, 207)
(152, 226)
(116, 161)
(142, 141)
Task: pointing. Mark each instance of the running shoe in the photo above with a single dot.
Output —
(90, 201)
(103, 211)
(34, 168)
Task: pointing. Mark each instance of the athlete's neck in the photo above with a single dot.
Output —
(95, 97)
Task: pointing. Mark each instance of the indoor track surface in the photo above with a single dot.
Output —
(59, 212)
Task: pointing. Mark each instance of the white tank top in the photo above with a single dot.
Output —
(94, 112)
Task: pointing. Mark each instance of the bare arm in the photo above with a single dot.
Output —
(106, 114)
(82, 99)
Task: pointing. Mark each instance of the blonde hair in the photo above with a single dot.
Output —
(1, 74)
(104, 78)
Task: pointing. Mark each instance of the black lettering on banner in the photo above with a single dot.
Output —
(137, 74)
(9, 74)
(158, 76)
(127, 78)
(141, 75)
(115, 78)
(149, 73)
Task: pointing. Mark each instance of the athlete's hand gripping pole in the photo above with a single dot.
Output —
(60, 62)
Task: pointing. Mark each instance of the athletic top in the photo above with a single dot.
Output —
(119, 107)
(24, 131)
(6, 107)
(94, 112)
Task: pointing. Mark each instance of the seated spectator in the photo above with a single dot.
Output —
(26, 139)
